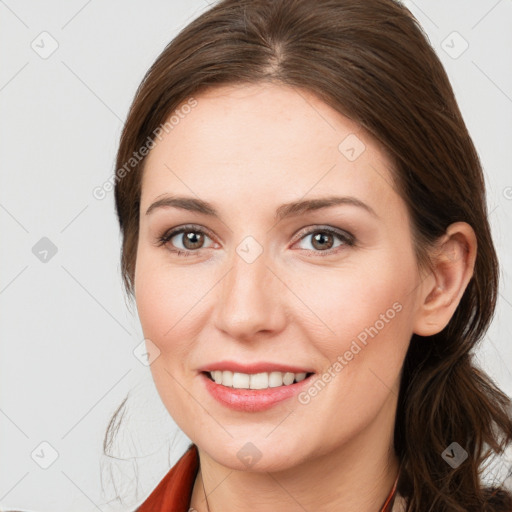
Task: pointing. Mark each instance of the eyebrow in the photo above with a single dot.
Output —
(291, 209)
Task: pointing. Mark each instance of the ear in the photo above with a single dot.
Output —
(453, 259)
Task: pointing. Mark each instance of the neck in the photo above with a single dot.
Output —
(357, 476)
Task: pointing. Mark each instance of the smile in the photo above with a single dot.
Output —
(263, 380)
(274, 387)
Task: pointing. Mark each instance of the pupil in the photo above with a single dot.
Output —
(195, 240)
(321, 237)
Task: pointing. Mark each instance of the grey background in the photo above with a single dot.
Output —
(67, 336)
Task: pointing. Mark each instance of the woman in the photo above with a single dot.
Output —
(305, 234)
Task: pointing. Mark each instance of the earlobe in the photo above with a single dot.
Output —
(453, 260)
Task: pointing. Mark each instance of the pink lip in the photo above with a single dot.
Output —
(261, 367)
(252, 400)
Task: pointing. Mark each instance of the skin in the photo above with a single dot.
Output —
(247, 150)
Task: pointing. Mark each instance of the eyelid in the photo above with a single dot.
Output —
(171, 233)
(345, 236)
(309, 230)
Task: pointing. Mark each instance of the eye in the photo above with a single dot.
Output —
(324, 240)
(191, 238)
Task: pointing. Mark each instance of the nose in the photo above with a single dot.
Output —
(250, 300)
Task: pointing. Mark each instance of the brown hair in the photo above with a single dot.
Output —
(370, 61)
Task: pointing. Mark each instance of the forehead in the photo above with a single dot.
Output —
(263, 140)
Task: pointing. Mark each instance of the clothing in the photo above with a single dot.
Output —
(174, 492)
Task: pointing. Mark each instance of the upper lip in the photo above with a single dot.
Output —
(259, 367)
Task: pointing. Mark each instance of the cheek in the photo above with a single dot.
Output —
(363, 339)
(165, 303)
(364, 315)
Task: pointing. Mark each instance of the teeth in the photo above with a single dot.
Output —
(241, 380)
(275, 379)
(227, 378)
(256, 380)
(288, 378)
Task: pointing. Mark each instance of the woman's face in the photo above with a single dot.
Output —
(329, 290)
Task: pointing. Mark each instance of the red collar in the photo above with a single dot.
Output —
(175, 490)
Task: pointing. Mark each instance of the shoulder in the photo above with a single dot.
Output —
(500, 501)
(399, 504)
(175, 489)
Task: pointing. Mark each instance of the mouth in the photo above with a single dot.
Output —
(255, 381)
(246, 392)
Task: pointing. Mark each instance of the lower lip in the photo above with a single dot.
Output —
(252, 400)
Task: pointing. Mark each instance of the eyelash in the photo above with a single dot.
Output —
(345, 237)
